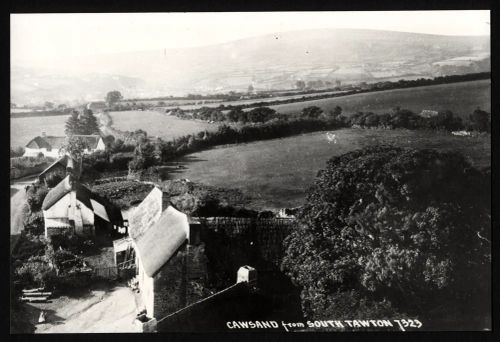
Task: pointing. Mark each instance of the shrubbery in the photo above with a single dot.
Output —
(388, 231)
(52, 264)
(403, 118)
(29, 162)
(35, 194)
(17, 152)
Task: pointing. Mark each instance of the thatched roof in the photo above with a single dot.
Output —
(57, 142)
(162, 240)
(145, 215)
(46, 142)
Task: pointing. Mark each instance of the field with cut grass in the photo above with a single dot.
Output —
(276, 173)
(461, 98)
(157, 124)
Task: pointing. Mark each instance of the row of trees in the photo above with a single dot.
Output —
(235, 114)
(479, 120)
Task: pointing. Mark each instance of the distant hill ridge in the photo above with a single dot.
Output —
(270, 61)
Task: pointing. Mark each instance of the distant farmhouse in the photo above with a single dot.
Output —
(71, 207)
(97, 106)
(428, 113)
(50, 146)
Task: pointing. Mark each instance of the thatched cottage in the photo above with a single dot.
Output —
(168, 256)
(50, 146)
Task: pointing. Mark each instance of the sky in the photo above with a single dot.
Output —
(38, 39)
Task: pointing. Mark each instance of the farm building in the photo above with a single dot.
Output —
(428, 113)
(96, 106)
(71, 207)
(168, 262)
(50, 146)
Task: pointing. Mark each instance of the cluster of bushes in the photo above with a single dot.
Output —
(16, 152)
(54, 264)
(389, 232)
(32, 211)
(22, 163)
(479, 120)
(102, 161)
(116, 157)
(233, 114)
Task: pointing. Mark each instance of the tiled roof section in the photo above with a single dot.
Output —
(159, 243)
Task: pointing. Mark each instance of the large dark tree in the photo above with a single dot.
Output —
(386, 231)
(261, 114)
(88, 123)
(72, 126)
(113, 97)
(480, 120)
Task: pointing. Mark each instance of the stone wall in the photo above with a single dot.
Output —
(256, 238)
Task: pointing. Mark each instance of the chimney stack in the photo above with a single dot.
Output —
(247, 274)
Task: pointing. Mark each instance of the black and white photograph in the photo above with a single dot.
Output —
(250, 172)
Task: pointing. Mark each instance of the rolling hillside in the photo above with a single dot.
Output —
(271, 61)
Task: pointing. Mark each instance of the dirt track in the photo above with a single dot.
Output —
(101, 311)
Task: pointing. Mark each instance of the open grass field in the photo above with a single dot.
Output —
(22, 130)
(157, 124)
(276, 173)
(461, 98)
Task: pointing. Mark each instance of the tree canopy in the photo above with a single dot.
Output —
(312, 112)
(113, 97)
(386, 231)
(82, 124)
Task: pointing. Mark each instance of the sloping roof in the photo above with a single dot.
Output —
(58, 142)
(61, 161)
(159, 243)
(146, 214)
(84, 195)
(38, 142)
